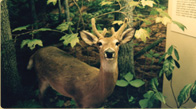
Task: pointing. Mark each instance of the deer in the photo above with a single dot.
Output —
(88, 86)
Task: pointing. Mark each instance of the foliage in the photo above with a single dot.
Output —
(105, 13)
(70, 38)
(64, 26)
(143, 10)
(52, 1)
(168, 66)
(143, 34)
(31, 43)
(152, 95)
(128, 79)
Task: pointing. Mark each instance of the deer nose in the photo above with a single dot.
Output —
(109, 53)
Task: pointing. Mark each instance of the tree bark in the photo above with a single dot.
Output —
(33, 13)
(60, 12)
(126, 52)
(10, 79)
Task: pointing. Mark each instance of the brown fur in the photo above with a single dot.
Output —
(71, 77)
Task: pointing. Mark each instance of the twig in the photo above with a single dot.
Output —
(173, 94)
(37, 30)
(80, 15)
(168, 105)
(117, 11)
(60, 13)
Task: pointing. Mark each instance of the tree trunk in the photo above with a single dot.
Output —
(60, 12)
(10, 80)
(33, 13)
(126, 52)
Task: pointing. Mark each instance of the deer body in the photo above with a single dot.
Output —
(87, 85)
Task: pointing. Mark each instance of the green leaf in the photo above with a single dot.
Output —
(180, 25)
(193, 93)
(60, 103)
(148, 94)
(143, 103)
(137, 83)
(164, 20)
(147, 21)
(170, 50)
(64, 26)
(41, 29)
(128, 76)
(133, 3)
(154, 12)
(24, 42)
(52, 1)
(154, 84)
(72, 102)
(162, 57)
(177, 64)
(184, 94)
(131, 99)
(71, 39)
(44, 29)
(156, 55)
(161, 72)
(176, 54)
(142, 33)
(163, 13)
(21, 28)
(159, 96)
(168, 67)
(147, 3)
(121, 83)
(106, 3)
(31, 43)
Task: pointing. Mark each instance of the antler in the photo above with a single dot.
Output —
(120, 30)
(96, 31)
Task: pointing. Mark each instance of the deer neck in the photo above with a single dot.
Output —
(108, 75)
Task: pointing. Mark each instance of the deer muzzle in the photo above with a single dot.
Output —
(109, 54)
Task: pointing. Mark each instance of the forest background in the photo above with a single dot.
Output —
(28, 25)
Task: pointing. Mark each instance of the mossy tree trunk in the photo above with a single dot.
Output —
(10, 79)
(126, 52)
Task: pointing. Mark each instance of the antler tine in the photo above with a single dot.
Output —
(95, 29)
(112, 30)
(121, 29)
(104, 32)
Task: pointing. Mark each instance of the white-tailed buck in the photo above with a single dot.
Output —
(87, 85)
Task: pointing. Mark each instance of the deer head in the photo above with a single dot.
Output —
(108, 46)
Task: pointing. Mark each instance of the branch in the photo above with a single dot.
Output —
(117, 11)
(146, 49)
(173, 94)
(80, 15)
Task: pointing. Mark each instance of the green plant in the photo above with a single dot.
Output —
(152, 96)
(142, 17)
(188, 92)
(151, 55)
(127, 80)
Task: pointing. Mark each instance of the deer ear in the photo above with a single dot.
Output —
(127, 35)
(88, 37)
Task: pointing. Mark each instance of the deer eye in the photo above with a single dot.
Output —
(117, 43)
(99, 44)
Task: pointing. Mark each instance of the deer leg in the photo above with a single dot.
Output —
(42, 87)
